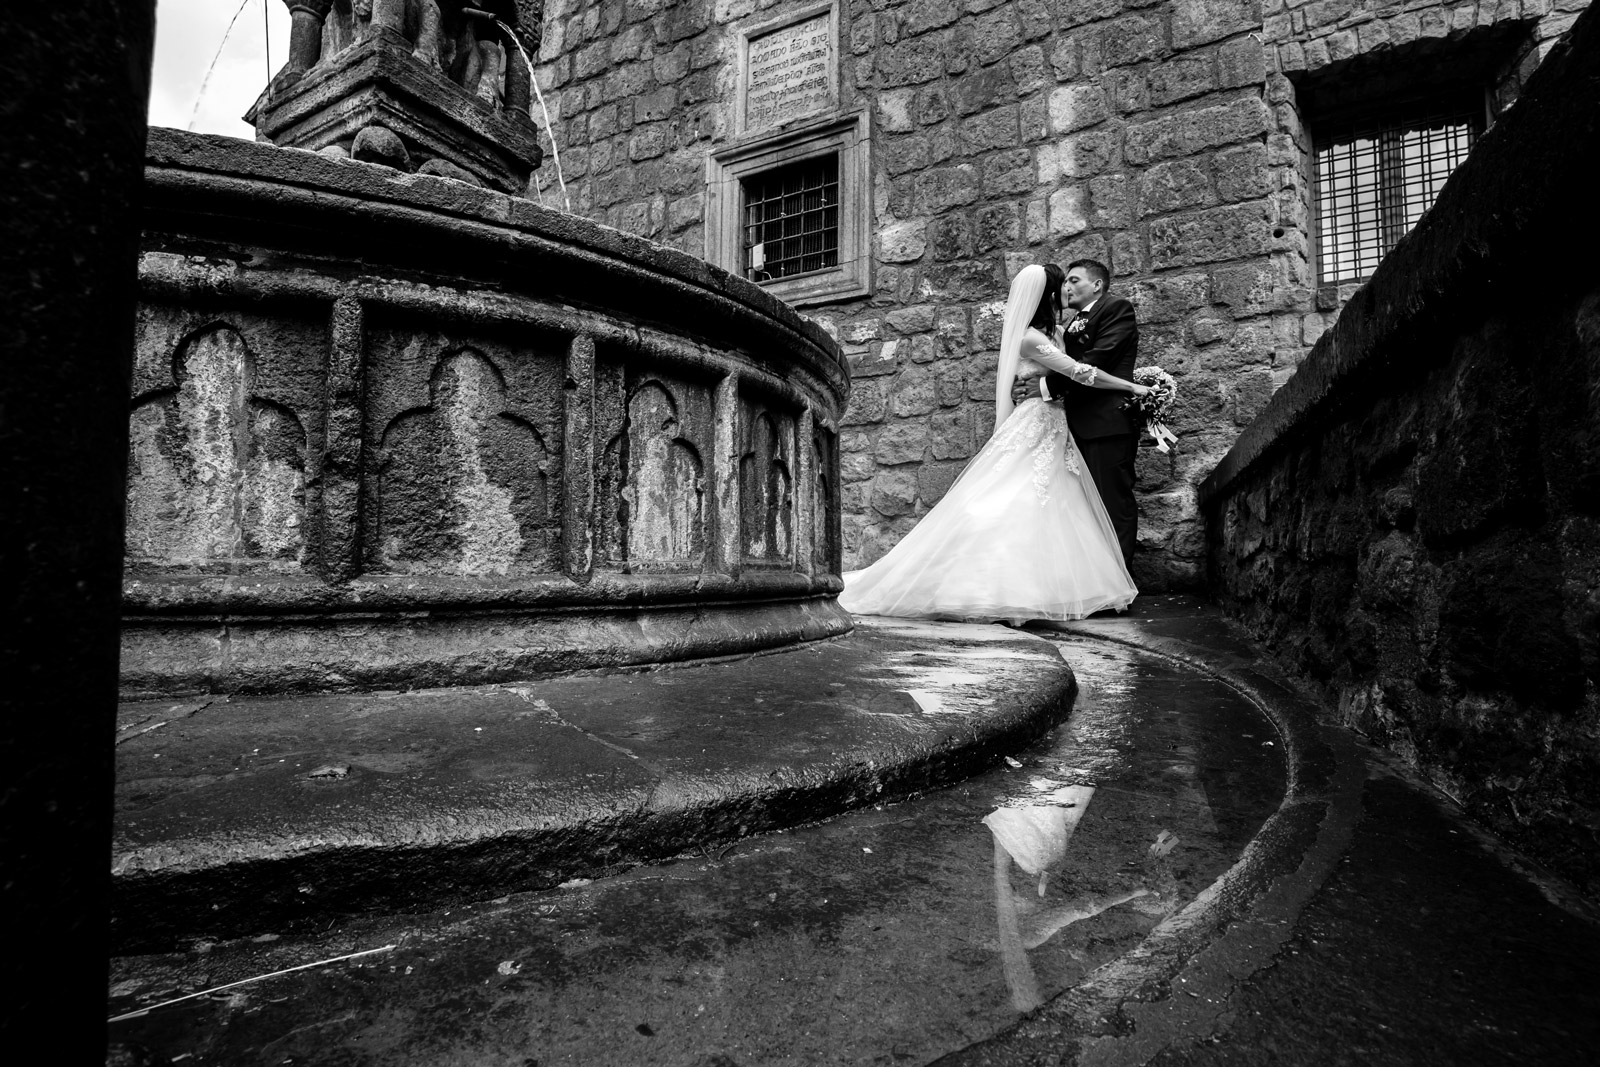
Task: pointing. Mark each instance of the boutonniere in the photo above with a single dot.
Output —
(1078, 325)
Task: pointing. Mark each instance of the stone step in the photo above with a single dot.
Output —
(240, 815)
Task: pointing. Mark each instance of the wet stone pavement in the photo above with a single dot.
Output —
(890, 935)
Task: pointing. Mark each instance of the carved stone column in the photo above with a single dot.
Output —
(726, 555)
(339, 507)
(389, 19)
(305, 37)
(577, 463)
(806, 526)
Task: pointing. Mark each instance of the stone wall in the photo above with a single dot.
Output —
(1164, 138)
(1414, 522)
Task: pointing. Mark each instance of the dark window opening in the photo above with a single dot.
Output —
(1374, 184)
(791, 218)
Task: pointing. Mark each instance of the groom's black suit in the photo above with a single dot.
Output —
(1107, 433)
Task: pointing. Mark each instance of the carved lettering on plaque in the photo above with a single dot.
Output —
(790, 73)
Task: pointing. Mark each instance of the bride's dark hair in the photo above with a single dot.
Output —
(1044, 317)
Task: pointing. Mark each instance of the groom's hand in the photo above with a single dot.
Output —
(1024, 388)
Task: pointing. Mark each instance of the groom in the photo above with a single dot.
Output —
(1105, 335)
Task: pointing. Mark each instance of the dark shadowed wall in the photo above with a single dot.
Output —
(1414, 521)
(74, 81)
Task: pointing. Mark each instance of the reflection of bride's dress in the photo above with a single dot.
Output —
(1021, 534)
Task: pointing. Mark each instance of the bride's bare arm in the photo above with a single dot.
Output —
(1041, 351)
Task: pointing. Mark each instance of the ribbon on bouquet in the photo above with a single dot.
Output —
(1162, 435)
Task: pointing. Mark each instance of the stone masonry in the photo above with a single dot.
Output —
(1164, 138)
(1413, 523)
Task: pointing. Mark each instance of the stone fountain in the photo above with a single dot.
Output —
(394, 425)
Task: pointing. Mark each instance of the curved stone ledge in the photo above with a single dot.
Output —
(421, 649)
(393, 430)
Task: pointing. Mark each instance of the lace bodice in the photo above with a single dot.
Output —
(1047, 357)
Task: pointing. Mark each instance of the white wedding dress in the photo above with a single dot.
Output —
(1022, 534)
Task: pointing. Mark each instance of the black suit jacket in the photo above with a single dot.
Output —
(1109, 341)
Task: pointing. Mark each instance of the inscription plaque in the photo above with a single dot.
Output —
(789, 73)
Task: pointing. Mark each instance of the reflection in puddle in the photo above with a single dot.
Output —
(889, 935)
(1035, 839)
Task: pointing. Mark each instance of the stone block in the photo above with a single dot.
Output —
(913, 61)
(1405, 28)
(1244, 290)
(1192, 131)
(1073, 107)
(996, 34)
(894, 493)
(1108, 201)
(1343, 45)
(1209, 329)
(946, 187)
(931, 104)
(920, 16)
(1373, 36)
(901, 441)
(1241, 63)
(985, 89)
(856, 466)
(916, 319)
(894, 111)
(934, 480)
(1128, 89)
(996, 226)
(949, 380)
(868, 403)
(1172, 186)
(875, 360)
(914, 392)
(1127, 254)
(905, 153)
(950, 435)
(902, 242)
(1064, 59)
(1197, 22)
(1182, 77)
(1317, 54)
(1242, 173)
(1131, 39)
(1029, 70)
(951, 329)
(1169, 297)
(1311, 328)
(1069, 213)
(1070, 15)
(1037, 221)
(1009, 172)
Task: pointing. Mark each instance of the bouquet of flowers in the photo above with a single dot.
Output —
(1156, 405)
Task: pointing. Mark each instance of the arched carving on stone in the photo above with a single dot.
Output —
(766, 492)
(463, 483)
(823, 518)
(215, 475)
(665, 491)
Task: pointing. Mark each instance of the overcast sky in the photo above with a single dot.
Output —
(188, 34)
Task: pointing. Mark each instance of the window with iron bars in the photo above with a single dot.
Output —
(1373, 186)
(792, 219)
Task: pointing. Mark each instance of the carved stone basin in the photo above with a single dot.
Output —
(397, 431)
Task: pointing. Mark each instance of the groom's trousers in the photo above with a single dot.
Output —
(1110, 463)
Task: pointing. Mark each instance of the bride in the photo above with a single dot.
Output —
(1022, 533)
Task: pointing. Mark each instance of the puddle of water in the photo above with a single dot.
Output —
(886, 936)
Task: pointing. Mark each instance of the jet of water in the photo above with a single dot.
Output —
(549, 130)
(204, 82)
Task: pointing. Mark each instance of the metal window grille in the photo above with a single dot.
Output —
(792, 219)
(1372, 188)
